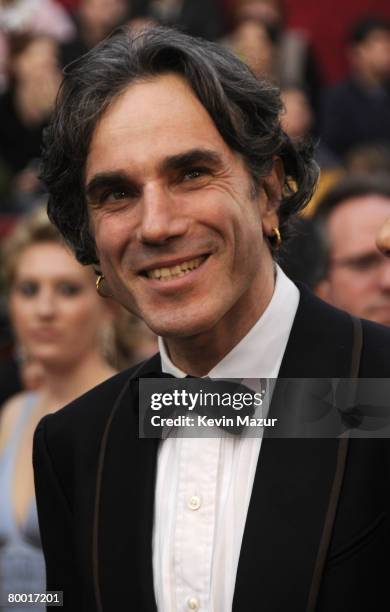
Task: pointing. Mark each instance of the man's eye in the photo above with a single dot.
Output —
(367, 263)
(113, 195)
(194, 174)
(119, 195)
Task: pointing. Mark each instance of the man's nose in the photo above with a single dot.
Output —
(162, 218)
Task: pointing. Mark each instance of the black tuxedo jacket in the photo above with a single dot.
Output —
(315, 538)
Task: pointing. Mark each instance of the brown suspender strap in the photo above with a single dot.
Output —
(328, 523)
(342, 452)
(357, 347)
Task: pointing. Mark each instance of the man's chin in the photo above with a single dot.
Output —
(182, 327)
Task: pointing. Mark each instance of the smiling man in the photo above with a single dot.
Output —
(177, 222)
(168, 169)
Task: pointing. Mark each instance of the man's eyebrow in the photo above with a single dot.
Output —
(181, 161)
(105, 180)
(191, 158)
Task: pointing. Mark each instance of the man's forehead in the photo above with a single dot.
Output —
(151, 98)
(153, 118)
(357, 220)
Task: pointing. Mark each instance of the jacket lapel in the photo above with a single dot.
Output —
(294, 477)
(125, 497)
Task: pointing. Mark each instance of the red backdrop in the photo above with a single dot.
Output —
(327, 23)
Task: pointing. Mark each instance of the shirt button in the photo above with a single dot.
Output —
(193, 603)
(194, 504)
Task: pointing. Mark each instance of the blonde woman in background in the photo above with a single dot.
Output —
(64, 326)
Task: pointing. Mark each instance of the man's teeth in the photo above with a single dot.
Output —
(175, 271)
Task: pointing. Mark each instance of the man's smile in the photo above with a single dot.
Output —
(164, 272)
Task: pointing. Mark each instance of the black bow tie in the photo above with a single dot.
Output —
(222, 415)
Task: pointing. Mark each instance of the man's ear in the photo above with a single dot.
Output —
(273, 189)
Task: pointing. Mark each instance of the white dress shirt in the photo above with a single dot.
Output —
(204, 485)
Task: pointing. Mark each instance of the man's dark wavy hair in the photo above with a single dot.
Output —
(244, 109)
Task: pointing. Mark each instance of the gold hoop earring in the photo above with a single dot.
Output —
(277, 236)
(99, 281)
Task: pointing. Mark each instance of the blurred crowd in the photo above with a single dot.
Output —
(58, 338)
(347, 121)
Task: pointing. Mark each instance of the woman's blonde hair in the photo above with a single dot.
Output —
(33, 228)
(120, 343)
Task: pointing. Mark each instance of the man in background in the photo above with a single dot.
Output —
(357, 276)
(357, 110)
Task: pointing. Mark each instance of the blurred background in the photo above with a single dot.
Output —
(331, 61)
(58, 338)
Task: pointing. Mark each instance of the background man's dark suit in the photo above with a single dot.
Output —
(96, 508)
